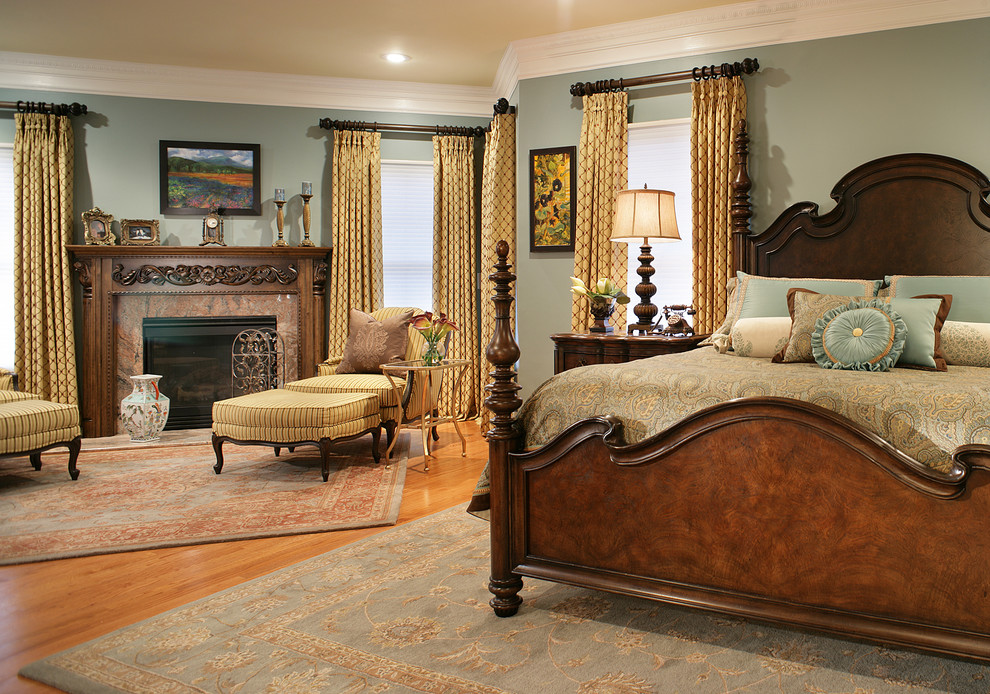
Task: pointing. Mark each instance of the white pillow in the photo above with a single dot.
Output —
(760, 337)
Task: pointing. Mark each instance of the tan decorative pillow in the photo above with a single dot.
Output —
(371, 343)
(760, 337)
(966, 344)
(806, 307)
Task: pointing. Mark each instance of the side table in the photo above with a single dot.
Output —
(572, 350)
(430, 417)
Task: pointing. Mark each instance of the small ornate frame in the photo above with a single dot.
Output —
(97, 225)
(139, 232)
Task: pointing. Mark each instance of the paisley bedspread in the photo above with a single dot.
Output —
(923, 413)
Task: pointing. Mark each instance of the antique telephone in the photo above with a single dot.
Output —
(676, 318)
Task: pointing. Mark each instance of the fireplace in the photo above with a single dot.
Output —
(192, 355)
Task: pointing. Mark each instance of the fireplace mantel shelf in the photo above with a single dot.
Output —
(120, 284)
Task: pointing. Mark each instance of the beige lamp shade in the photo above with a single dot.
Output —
(644, 216)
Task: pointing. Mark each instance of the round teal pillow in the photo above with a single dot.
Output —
(863, 335)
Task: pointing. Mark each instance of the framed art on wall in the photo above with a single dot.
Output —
(196, 177)
(139, 232)
(552, 188)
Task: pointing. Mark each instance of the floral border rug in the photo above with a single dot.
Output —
(144, 498)
(406, 611)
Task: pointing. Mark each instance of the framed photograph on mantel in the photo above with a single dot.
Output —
(196, 177)
(139, 232)
(552, 189)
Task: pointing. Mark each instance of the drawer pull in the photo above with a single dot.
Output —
(583, 361)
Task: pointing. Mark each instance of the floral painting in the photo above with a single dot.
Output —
(553, 176)
(199, 177)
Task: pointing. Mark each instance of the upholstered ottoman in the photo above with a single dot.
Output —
(286, 419)
(29, 426)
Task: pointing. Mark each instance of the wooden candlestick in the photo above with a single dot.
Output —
(306, 220)
(280, 222)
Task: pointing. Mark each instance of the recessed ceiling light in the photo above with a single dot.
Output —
(396, 57)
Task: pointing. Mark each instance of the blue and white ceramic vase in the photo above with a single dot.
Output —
(145, 411)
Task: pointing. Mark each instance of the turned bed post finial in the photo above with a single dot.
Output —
(503, 401)
(741, 210)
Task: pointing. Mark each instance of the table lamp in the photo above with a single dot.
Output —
(644, 216)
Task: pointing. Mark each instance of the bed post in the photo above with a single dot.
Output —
(502, 353)
(741, 209)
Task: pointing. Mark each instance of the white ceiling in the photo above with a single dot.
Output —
(465, 54)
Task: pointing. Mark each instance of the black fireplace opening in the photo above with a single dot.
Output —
(192, 355)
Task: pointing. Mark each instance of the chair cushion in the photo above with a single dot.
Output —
(291, 416)
(376, 384)
(371, 343)
(26, 425)
(16, 396)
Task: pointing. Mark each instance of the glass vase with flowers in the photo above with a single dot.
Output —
(434, 329)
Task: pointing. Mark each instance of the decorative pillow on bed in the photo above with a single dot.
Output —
(371, 343)
(860, 336)
(970, 294)
(924, 316)
(806, 307)
(760, 337)
(966, 344)
(761, 297)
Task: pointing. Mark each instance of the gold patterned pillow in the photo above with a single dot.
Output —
(371, 343)
(806, 307)
(966, 344)
(760, 337)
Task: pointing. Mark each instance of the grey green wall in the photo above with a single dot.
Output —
(817, 109)
(117, 157)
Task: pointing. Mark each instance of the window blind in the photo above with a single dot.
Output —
(660, 158)
(407, 233)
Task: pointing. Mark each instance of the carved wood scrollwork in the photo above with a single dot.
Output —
(186, 275)
(85, 277)
(320, 278)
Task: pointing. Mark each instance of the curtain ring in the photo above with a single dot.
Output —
(695, 75)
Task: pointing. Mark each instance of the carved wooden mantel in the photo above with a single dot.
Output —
(212, 275)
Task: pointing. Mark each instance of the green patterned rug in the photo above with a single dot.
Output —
(406, 611)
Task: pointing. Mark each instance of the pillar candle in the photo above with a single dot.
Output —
(280, 194)
(307, 188)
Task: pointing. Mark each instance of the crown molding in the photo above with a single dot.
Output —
(116, 78)
(729, 27)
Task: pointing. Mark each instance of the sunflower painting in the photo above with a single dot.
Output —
(553, 176)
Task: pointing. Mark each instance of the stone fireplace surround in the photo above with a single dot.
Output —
(121, 285)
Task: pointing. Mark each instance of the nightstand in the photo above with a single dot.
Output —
(581, 349)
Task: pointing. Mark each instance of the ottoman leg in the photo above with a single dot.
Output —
(35, 460)
(325, 457)
(218, 449)
(376, 438)
(74, 446)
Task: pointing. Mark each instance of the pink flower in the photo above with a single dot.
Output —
(433, 327)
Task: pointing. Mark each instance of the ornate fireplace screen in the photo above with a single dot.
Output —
(257, 361)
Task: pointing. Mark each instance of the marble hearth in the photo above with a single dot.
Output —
(122, 285)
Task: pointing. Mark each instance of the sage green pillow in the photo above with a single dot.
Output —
(860, 336)
(970, 294)
(761, 297)
(924, 317)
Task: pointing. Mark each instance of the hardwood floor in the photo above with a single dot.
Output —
(48, 606)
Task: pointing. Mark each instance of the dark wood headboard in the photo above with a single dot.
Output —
(907, 214)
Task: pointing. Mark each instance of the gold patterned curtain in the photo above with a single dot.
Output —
(356, 228)
(498, 223)
(455, 284)
(603, 168)
(44, 337)
(718, 105)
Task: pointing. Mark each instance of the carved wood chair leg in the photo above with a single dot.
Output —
(376, 438)
(389, 432)
(218, 449)
(292, 449)
(325, 457)
(75, 445)
(278, 449)
(35, 460)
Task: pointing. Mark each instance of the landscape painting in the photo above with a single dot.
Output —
(199, 177)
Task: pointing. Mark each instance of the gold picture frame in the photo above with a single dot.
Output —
(139, 232)
(97, 225)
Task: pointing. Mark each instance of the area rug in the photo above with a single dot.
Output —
(161, 497)
(406, 611)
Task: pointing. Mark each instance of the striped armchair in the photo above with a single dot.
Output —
(329, 381)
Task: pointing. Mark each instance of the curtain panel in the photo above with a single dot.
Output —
(455, 285)
(356, 276)
(718, 106)
(498, 223)
(44, 336)
(603, 170)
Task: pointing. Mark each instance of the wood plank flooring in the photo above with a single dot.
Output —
(48, 606)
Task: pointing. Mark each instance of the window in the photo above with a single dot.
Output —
(7, 256)
(660, 157)
(407, 233)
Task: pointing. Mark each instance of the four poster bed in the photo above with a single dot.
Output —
(762, 506)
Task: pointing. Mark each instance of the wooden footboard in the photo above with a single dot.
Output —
(767, 508)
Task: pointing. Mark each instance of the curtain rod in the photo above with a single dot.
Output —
(73, 109)
(746, 67)
(501, 106)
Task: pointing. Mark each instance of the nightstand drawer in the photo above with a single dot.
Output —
(572, 350)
